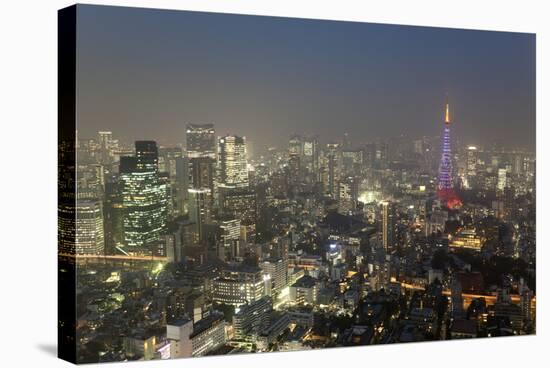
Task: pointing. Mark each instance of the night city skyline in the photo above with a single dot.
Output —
(142, 68)
(235, 184)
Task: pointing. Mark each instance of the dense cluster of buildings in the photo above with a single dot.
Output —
(205, 249)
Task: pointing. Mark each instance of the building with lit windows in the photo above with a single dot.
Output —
(202, 172)
(295, 146)
(348, 195)
(352, 160)
(239, 203)
(147, 157)
(66, 222)
(90, 238)
(387, 212)
(238, 285)
(304, 291)
(208, 334)
(144, 197)
(502, 180)
(105, 147)
(277, 270)
(249, 318)
(199, 209)
(81, 228)
(471, 161)
(466, 239)
(228, 247)
(232, 161)
(201, 140)
(311, 154)
(333, 166)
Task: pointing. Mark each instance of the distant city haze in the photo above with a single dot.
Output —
(145, 74)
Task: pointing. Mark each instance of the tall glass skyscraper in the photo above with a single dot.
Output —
(232, 161)
(147, 156)
(388, 224)
(143, 196)
(201, 140)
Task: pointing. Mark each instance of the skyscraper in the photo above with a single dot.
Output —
(295, 146)
(202, 170)
(199, 209)
(388, 224)
(90, 238)
(181, 184)
(201, 140)
(445, 188)
(105, 146)
(168, 166)
(146, 156)
(334, 168)
(232, 161)
(348, 195)
(311, 154)
(228, 246)
(143, 196)
(80, 228)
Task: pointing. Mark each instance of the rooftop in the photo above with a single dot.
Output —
(305, 282)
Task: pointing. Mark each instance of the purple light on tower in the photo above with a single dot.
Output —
(445, 189)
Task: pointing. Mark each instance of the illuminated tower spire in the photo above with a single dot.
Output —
(445, 189)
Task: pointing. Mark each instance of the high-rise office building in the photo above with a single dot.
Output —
(80, 229)
(167, 157)
(90, 236)
(240, 204)
(348, 195)
(168, 167)
(295, 146)
(199, 209)
(387, 211)
(334, 168)
(471, 164)
(294, 168)
(201, 140)
(352, 161)
(105, 147)
(181, 185)
(201, 180)
(143, 196)
(147, 156)
(232, 162)
(311, 154)
(202, 172)
(502, 180)
(228, 247)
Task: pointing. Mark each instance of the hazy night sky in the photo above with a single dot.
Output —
(145, 73)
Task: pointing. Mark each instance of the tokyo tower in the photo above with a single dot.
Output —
(445, 187)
